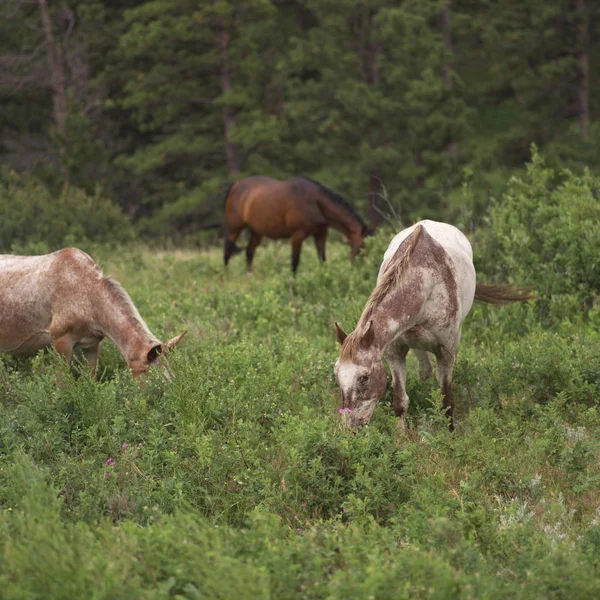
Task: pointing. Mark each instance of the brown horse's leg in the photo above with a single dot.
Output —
(255, 240)
(444, 367)
(297, 238)
(320, 239)
(231, 237)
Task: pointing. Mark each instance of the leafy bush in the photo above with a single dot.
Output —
(32, 220)
(545, 232)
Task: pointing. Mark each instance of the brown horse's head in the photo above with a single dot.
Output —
(150, 355)
(360, 374)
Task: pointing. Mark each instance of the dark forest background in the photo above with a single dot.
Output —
(157, 105)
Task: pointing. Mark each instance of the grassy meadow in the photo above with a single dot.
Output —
(236, 479)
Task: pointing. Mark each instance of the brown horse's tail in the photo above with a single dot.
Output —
(229, 246)
(502, 293)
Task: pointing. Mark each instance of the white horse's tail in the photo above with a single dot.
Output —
(502, 293)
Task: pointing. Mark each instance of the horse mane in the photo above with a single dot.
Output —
(337, 199)
(393, 274)
(123, 298)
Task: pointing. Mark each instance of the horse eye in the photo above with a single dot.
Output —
(363, 379)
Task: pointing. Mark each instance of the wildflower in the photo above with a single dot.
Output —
(110, 461)
(124, 445)
(344, 410)
(298, 530)
(137, 455)
(304, 505)
(344, 510)
(106, 475)
(295, 517)
(140, 445)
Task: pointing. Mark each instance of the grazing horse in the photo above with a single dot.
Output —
(298, 208)
(63, 299)
(425, 288)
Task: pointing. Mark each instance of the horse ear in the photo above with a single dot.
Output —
(368, 336)
(174, 341)
(154, 352)
(341, 335)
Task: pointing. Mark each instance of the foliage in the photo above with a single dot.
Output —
(545, 232)
(236, 478)
(169, 101)
(34, 220)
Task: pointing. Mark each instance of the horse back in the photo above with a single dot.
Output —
(446, 258)
(36, 290)
(273, 208)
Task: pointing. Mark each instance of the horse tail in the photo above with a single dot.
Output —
(502, 293)
(229, 246)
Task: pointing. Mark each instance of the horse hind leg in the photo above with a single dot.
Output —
(444, 367)
(255, 240)
(229, 245)
(425, 368)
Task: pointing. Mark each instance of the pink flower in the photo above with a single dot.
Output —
(110, 461)
(298, 530)
(295, 517)
(106, 475)
(124, 445)
(304, 505)
(344, 410)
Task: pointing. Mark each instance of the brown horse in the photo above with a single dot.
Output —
(298, 208)
(63, 299)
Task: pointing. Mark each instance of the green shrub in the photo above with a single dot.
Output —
(545, 232)
(33, 220)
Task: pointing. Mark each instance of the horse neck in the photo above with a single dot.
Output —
(120, 321)
(397, 312)
(339, 218)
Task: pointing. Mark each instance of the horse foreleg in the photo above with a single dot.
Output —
(91, 355)
(297, 238)
(396, 358)
(63, 345)
(255, 240)
(444, 367)
(320, 239)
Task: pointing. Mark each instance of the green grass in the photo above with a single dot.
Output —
(237, 480)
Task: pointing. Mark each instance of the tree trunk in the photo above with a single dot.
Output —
(234, 162)
(584, 64)
(448, 66)
(57, 71)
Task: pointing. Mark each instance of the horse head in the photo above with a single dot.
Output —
(152, 354)
(360, 374)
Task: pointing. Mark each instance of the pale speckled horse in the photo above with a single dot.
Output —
(63, 299)
(425, 289)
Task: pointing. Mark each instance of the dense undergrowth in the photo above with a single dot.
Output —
(236, 479)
